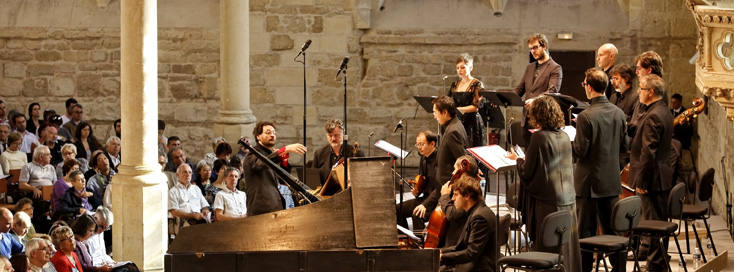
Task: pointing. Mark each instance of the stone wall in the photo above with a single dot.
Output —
(396, 53)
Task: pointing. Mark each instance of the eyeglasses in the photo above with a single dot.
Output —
(270, 132)
(79, 112)
(534, 48)
(583, 84)
(42, 248)
(100, 227)
(421, 144)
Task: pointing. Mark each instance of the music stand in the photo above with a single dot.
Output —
(426, 102)
(503, 98)
(569, 104)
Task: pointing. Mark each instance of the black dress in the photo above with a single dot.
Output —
(472, 121)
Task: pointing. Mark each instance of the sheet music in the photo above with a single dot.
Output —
(409, 233)
(492, 156)
(393, 150)
(569, 130)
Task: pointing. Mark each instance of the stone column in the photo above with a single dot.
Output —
(235, 118)
(139, 190)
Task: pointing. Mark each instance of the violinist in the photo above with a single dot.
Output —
(683, 131)
(326, 157)
(421, 207)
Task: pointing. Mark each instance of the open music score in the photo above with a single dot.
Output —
(493, 156)
(569, 130)
(393, 150)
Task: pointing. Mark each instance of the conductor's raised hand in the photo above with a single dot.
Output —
(295, 148)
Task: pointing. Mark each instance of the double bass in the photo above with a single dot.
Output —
(437, 224)
(689, 115)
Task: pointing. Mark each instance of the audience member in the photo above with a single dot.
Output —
(230, 203)
(37, 173)
(20, 262)
(75, 200)
(11, 114)
(117, 126)
(83, 227)
(50, 137)
(170, 176)
(112, 152)
(204, 174)
(177, 158)
(68, 152)
(65, 260)
(69, 110)
(223, 151)
(5, 265)
(28, 138)
(217, 185)
(21, 224)
(34, 115)
(3, 112)
(76, 118)
(4, 133)
(162, 140)
(8, 245)
(26, 205)
(85, 142)
(39, 255)
(185, 201)
(12, 158)
(211, 157)
(98, 182)
(96, 242)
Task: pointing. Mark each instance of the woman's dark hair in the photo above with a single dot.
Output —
(82, 125)
(19, 262)
(82, 224)
(218, 164)
(68, 165)
(30, 109)
(223, 148)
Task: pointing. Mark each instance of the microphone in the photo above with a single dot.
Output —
(512, 119)
(304, 47)
(372, 133)
(445, 77)
(343, 66)
(399, 126)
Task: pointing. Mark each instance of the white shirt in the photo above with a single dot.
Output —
(97, 250)
(36, 175)
(188, 200)
(28, 140)
(64, 119)
(233, 203)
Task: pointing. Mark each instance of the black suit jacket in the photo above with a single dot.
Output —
(650, 163)
(600, 137)
(262, 183)
(475, 250)
(451, 146)
(548, 80)
(324, 158)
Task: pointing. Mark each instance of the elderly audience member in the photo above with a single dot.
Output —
(50, 136)
(102, 177)
(68, 152)
(13, 158)
(96, 243)
(33, 176)
(185, 201)
(75, 201)
(8, 245)
(21, 224)
(5, 265)
(211, 157)
(65, 260)
(4, 133)
(230, 203)
(84, 227)
(112, 152)
(178, 157)
(26, 205)
(204, 173)
(39, 255)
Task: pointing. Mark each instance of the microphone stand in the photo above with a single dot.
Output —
(305, 158)
(346, 136)
(369, 144)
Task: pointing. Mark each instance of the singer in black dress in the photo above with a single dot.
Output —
(465, 93)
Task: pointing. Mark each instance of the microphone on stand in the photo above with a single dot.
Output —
(304, 47)
(343, 66)
(399, 126)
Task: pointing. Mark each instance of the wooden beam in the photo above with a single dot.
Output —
(716, 264)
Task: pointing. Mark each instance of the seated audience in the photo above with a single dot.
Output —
(29, 139)
(223, 151)
(162, 140)
(69, 110)
(39, 255)
(34, 115)
(13, 158)
(70, 127)
(65, 260)
(178, 157)
(102, 177)
(68, 152)
(117, 126)
(5, 264)
(86, 143)
(96, 242)
(50, 139)
(20, 262)
(75, 201)
(4, 133)
(84, 227)
(170, 176)
(112, 152)
(64, 183)
(33, 176)
(210, 191)
(8, 245)
(185, 201)
(21, 224)
(230, 203)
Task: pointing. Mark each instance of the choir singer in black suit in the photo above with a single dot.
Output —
(651, 171)
(600, 137)
(477, 246)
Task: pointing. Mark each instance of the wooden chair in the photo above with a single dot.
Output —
(4, 190)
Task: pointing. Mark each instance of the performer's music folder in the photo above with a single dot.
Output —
(493, 156)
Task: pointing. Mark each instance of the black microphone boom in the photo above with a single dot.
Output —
(304, 47)
(343, 66)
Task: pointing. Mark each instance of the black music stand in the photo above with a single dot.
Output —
(426, 102)
(503, 98)
(569, 105)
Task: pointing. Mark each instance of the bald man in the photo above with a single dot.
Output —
(8, 245)
(605, 58)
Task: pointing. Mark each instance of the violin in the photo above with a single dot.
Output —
(689, 115)
(419, 184)
(437, 224)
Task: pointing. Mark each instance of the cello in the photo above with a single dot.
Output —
(436, 229)
(688, 115)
